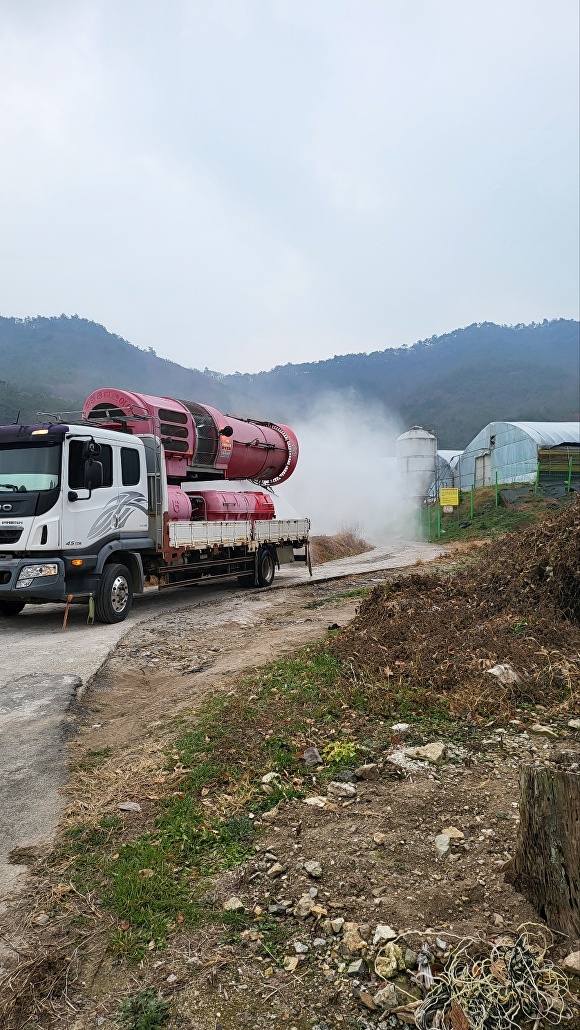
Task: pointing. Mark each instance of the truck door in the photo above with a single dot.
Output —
(131, 475)
(90, 516)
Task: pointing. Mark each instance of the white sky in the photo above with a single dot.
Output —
(242, 183)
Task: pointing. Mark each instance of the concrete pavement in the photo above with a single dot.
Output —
(33, 760)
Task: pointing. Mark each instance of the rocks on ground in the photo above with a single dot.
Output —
(399, 861)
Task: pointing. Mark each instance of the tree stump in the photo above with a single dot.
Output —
(546, 864)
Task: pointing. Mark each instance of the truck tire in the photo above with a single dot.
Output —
(266, 570)
(266, 567)
(10, 608)
(115, 595)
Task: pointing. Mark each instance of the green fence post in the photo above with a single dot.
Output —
(496, 491)
(438, 521)
(471, 502)
(429, 521)
(569, 474)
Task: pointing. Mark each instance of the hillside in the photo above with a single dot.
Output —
(70, 357)
(454, 383)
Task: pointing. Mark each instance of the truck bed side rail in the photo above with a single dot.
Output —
(200, 535)
(281, 529)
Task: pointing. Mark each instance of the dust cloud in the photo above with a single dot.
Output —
(347, 472)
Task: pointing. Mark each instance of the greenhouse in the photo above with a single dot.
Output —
(521, 452)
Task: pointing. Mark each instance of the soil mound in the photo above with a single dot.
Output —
(541, 563)
(518, 605)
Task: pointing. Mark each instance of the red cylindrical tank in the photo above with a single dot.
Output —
(230, 505)
(178, 504)
(197, 437)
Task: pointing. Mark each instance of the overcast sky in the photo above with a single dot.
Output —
(242, 183)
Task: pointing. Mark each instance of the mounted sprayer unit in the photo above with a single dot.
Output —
(199, 441)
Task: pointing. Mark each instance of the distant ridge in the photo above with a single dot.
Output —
(71, 356)
(455, 383)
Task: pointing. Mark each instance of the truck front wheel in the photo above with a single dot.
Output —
(115, 595)
(9, 608)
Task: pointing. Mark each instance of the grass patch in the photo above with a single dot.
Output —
(148, 1010)
(346, 595)
(82, 849)
(92, 759)
(489, 521)
(155, 881)
(275, 935)
(270, 934)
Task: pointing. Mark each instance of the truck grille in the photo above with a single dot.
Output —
(10, 536)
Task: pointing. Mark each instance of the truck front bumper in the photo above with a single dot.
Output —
(41, 588)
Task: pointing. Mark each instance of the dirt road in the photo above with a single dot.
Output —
(33, 643)
(45, 669)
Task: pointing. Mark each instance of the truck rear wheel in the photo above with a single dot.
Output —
(115, 595)
(10, 608)
(266, 567)
(266, 570)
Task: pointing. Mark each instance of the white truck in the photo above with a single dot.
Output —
(140, 489)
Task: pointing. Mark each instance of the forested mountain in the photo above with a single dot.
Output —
(454, 383)
(70, 357)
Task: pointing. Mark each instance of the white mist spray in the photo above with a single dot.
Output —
(347, 472)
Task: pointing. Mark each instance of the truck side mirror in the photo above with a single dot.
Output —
(93, 475)
(91, 449)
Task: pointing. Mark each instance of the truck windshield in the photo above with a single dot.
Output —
(29, 466)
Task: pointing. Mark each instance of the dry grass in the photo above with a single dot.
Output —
(34, 991)
(344, 544)
(29, 990)
(97, 787)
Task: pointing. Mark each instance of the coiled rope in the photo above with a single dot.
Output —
(504, 982)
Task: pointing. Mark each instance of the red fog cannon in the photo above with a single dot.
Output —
(200, 442)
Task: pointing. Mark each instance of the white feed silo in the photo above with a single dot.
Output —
(416, 462)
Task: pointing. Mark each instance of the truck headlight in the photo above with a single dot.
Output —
(32, 572)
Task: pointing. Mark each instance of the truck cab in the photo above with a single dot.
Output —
(72, 497)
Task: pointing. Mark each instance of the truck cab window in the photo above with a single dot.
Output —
(76, 464)
(130, 466)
